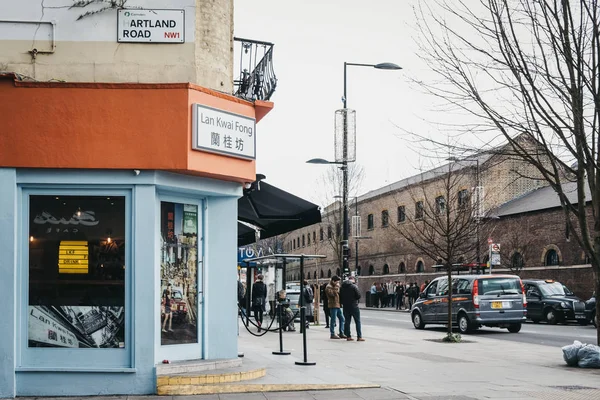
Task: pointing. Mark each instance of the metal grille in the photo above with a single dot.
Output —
(356, 228)
(578, 306)
(345, 128)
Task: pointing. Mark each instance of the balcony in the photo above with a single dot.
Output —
(255, 79)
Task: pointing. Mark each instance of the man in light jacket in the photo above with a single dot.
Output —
(333, 300)
(349, 296)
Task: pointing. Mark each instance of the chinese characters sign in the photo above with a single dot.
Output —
(222, 132)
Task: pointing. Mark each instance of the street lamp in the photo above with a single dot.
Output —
(344, 160)
(477, 205)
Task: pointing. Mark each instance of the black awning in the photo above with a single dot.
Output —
(273, 211)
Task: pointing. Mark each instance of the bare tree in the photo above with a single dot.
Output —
(443, 224)
(332, 219)
(517, 241)
(529, 69)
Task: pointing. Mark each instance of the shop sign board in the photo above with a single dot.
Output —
(150, 26)
(222, 132)
(45, 329)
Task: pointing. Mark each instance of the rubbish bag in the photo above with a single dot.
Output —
(570, 353)
(589, 356)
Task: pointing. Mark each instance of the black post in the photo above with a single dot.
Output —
(283, 274)
(248, 293)
(303, 315)
(280, 317)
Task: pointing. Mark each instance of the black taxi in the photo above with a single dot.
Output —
(551, 301)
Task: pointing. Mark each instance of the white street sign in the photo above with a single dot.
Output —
(150, 26)
(219, 131)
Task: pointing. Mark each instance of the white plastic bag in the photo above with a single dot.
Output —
(589, 356)
(570, 353)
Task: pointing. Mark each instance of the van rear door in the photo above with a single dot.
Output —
(500, 298)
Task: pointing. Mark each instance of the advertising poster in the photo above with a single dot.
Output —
(76, 272)
(178, 261)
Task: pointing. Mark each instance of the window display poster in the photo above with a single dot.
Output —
(76, 272)
(178, 262)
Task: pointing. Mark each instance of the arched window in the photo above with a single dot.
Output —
(322, 274)
(386, 269)
(308, 275)
(517, 261)
(371, 270)
(420, 266)
(337, 272)
(551, 257)
(358, 270)
(329, 273)
(401, 268)
(315, 275)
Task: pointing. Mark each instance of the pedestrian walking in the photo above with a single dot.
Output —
(374, 295)
(349, 297)
(333, 298)
(399, 296)
(411, 293)
(308, 302)
(325, 305)
(259, 296)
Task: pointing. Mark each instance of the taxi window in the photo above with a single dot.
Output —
(461, 286)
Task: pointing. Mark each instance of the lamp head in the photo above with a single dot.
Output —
(387, 65)
(318, 161)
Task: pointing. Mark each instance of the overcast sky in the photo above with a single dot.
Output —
(312, 40)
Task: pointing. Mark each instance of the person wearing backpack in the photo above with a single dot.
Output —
(309, 297)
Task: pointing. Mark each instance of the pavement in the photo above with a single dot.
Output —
(408, 364)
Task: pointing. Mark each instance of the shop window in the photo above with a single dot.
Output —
(420, 267)
(358, 270)
(370, 221)
(386, 269)
(385, 218)
(401, 214)
(419, 210)
(371, 270)
(401, 268)
(178, 275)
(551, 257)
(329, 273)
(440, 205)
(77, 272)
(517, 261)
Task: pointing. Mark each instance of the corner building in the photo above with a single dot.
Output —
(118, 200)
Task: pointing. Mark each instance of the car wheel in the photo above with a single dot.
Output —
(418, 321)
(464, 326)
(514, 328)
(550, 316)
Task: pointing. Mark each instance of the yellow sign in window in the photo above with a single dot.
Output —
(73, 257)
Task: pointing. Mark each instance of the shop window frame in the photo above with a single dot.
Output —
(31, 359)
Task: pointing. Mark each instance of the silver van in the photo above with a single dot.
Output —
(477, 300)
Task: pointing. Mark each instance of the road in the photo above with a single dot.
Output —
(549, 335)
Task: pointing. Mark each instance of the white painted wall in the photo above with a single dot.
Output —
(86, 50)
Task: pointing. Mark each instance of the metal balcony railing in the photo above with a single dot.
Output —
(256, 79)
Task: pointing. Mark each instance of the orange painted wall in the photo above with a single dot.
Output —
(111, 126)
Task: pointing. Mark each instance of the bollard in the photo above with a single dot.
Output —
(279, 317)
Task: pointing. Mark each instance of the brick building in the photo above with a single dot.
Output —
(517, 210)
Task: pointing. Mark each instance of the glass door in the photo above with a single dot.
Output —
(180, 280)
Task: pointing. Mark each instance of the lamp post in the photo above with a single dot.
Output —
(344, 159)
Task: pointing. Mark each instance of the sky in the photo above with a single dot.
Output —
(313, 39)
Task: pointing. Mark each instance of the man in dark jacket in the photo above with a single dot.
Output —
(349, 297)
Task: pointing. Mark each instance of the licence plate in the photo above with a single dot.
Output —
(580, 317)
(496, 304)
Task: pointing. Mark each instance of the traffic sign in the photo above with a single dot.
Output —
(495, 248)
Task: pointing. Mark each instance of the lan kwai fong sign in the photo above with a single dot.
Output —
(223, 132)
(151, 26)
